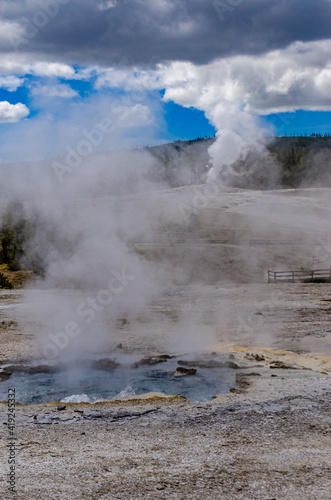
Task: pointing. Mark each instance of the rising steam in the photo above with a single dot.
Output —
(239, 157)
(111, 235)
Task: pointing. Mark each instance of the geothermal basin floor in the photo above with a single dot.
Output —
(268, 439)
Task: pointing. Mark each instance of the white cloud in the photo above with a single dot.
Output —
(11, 113)
(107, 4)
(132, 116)
(10, 31)
(10, 83)
(59, 90)
(17, 64)
(52, 69)
(298, 77)
(130, 79)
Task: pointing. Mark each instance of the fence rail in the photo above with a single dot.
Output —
(307, 276)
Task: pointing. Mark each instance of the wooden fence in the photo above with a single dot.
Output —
(310, 276)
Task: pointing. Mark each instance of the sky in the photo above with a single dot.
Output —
(157, 69)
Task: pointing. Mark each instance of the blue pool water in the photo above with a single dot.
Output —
(79, 383)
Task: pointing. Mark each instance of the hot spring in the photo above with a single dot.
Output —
(197, 379)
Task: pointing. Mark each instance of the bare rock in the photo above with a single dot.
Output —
(259, 357)
(106, 364)
(30, 369)
(231, 364)
(184, 372)
(153, 360)
(209, 363)
(5, 374)
(284, 366)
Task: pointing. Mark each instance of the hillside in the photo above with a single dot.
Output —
(303, 161)
(300, 162)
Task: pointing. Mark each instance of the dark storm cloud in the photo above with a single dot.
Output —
(151, 31)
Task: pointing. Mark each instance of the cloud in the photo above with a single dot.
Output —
(50, 69)
(9, 30)
(107, 4)
(57, 90)
(264, 56)
(10, 83)
(19, 65)
(56, 125)
(133, 116)
(11, 113)
(131, 79)
(147, 32)
(297, 77)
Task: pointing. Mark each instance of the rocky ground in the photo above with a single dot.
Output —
(267, 439)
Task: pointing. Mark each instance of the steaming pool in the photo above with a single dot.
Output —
(86, 383)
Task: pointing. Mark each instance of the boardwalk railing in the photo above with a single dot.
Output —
(310, 276)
